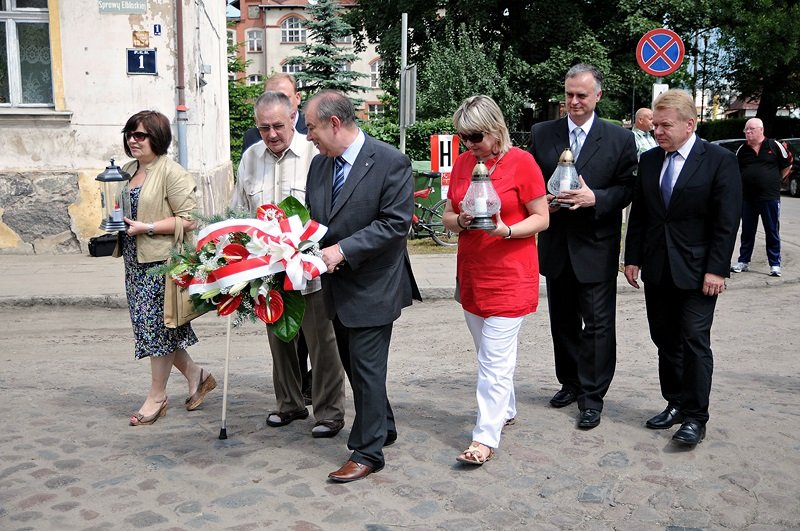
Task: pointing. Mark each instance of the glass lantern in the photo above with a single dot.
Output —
(114, 206)
(481, 201)
(564, 178)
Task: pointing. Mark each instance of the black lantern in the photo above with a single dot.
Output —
(112, 202)
(481, 201)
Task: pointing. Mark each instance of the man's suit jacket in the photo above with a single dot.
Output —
(697, 231)
(252, 136)
(370, 221)
(589, 237)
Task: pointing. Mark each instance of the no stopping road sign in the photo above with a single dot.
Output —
(660, 52)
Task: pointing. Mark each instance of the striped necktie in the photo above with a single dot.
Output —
(338, 178)
(577, 143)
(666, 179)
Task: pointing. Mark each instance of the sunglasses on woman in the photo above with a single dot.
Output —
(139, 136)
(472, 137)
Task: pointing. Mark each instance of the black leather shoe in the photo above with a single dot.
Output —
(666, 419)
(690, 433)
(589, 418)
(563, 398)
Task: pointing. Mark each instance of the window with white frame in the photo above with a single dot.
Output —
(292, 30)
(255, 41)
(231, 41)
(344, 67)
(293, 70)
(375, 110)
(26, 77)
(375, 73)
(254, 79)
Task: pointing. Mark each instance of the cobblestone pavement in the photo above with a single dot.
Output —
(68, 459)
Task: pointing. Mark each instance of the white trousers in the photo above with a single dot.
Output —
(496, 345)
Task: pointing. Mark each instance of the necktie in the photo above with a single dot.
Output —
(577, 142)
(666, 179)
(338, 178)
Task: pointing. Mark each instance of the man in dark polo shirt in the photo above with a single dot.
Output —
(763, 162)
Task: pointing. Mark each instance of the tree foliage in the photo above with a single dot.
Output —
(241, 99)
(325, 63)
(449, 76)
(762, 45)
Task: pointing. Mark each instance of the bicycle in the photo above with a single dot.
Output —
(427, 219)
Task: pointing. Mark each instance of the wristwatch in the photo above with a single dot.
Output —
(151, 229)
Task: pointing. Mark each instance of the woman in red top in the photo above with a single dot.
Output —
(497, 270)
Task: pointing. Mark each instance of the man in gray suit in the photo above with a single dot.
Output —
(579, 253)
(362, 190)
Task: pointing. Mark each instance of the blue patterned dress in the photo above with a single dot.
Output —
(146, 302)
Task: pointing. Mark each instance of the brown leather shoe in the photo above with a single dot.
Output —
(352, 471)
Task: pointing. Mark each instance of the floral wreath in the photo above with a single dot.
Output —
(253, 268)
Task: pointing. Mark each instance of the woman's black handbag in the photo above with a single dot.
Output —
(102, 245)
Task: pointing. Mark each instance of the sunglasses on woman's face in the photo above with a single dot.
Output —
(475, 138)
(139, 136)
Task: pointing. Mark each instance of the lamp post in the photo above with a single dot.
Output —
(112, 202)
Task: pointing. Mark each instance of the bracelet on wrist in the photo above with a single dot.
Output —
(458, 221)
(507, 236)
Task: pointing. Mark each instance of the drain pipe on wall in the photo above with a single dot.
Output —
(182, 117)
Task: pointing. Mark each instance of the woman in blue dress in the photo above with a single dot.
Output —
(162, 198)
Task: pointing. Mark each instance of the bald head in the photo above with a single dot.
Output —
(644, 119)
(754, 132)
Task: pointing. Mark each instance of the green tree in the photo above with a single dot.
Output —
(326, 65)
(449, 76)
(762, 45)
(241, 99)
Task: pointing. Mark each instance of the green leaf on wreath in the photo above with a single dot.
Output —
(293, 207)
(294, 306)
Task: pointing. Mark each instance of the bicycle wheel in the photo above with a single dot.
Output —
(439, 233)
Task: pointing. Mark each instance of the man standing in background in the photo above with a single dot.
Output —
(763, 163)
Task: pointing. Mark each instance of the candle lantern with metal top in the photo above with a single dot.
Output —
(481, 201)
(564, 178)
(113, 204)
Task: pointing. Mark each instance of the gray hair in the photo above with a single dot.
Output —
(333, 103)
(480, 114)
(273, 97)
(582, 68)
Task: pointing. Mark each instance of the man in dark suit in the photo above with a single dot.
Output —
(287, 84)
(579, 253)
(362, 190)
(681, 234)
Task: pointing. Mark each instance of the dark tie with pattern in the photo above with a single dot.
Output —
(666, 180)
(338, 178)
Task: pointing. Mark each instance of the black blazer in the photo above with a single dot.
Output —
(252, 136)
(588, 237)
(370, 222)
(697, 232)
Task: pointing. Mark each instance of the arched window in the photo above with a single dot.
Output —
(255, 41)
(292, 30)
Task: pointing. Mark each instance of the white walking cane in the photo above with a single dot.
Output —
(223, 433)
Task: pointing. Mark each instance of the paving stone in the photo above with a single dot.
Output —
(243, 498)
(88, 514)
(553, 486)
(25, 516)
(111, 482)
(155, 462)
(349, 516)
(145, 519)
(425, 509)
(616, 459)
(594, 494)
(65, 506)
(60, 482)
(460, 524)
(189, 507)
(9, 471)
(302, 490)
(68, 464)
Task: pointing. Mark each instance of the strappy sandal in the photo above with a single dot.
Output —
(193, 402)
(474, 455)
(140, 420)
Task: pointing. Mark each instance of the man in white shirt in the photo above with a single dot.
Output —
(269, 172)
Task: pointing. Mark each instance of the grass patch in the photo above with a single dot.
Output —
(425, 245)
